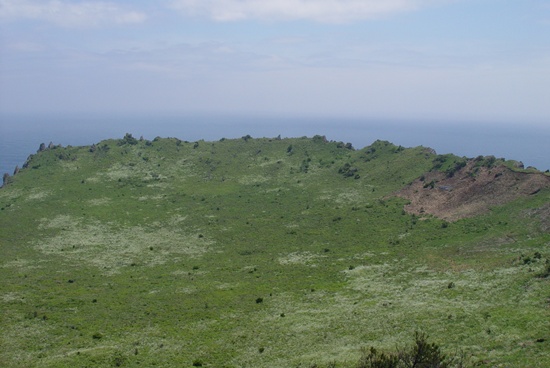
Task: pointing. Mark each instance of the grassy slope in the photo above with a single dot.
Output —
(157, 254)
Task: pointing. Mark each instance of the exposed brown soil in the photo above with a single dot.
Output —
(470, 191)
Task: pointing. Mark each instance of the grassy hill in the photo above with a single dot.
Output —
(269, 253)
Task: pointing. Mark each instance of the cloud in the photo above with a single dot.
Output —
(326, 11)
(69, 13)
(193, 61)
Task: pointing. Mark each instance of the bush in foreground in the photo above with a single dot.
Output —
(422, 354)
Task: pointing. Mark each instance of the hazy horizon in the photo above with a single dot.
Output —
(298, 67)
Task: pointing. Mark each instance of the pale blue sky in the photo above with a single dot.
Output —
(475, 60)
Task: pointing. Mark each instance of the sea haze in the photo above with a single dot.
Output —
(21, 136)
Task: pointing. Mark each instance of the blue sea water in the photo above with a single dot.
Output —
(21, 136)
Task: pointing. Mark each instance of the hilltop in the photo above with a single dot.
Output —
(270, 252)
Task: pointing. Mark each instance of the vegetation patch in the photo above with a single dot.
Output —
(258, 252)
(111, 248)
(303, 258)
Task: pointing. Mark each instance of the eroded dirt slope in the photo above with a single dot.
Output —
(470, 191)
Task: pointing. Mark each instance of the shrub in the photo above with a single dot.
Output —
(348, 171)
(320, 139)
(456, 167)
(439, 161)
(431, 185)
(375, 359)
(490, 161)
(421, 355)
(128, 139)
(546, 273)
(6, 179)
(118, 359)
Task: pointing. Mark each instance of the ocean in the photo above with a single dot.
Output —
(21, 136)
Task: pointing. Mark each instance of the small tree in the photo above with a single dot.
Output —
(423, 354)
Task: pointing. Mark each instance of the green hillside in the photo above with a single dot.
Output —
(263, 253)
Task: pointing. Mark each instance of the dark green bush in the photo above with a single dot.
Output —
(348, 171)
(422, 354)
(431, 184)
(128, 139)
(375, 359)
(456, 167)
(118, 359)
(546, 272)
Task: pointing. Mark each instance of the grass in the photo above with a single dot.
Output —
(156, 254)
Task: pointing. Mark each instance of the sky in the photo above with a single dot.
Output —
(471, 60)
